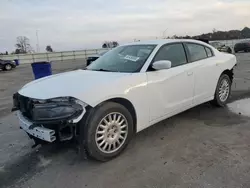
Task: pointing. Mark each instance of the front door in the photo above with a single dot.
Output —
(172, 89)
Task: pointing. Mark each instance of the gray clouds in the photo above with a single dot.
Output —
(78, 24)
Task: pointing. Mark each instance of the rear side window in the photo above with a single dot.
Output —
(239, 45)
(209, 52)
(172, 52)
(196, 51)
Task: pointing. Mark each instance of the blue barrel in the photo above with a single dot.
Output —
(41, 69)
(16, 61)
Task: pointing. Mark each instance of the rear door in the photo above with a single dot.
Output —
(205, 72)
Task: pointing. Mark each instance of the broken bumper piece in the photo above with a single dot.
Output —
(38, 132)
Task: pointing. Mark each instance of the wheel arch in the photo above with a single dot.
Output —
(128, 105)
(229, 73)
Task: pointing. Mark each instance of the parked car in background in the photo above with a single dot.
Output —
(243, 46)
(123, 92)
(7, 65)
(221, 47)
(92, 58)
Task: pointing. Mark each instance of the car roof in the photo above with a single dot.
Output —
(243, 42)
(164, 41)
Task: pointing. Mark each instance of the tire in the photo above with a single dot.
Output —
(223, 86)
(7, 67)
(229, 50)
(95, 144)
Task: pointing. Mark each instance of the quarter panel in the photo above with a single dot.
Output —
(207, 73)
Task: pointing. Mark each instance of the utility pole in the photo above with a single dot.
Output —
(164, 33)
(37, 42)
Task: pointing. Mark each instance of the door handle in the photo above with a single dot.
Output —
(190, 73)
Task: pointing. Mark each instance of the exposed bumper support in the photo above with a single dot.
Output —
(38, 132)
(60, 131)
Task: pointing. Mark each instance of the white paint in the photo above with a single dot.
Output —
(240, 107)
(162, 64)
(155, 95)
(171, 89)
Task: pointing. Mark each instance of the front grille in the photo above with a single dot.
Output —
(25, 105)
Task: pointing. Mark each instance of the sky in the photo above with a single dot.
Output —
(81, 24)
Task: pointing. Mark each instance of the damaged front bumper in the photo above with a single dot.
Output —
(49, 120)
(42, 133)
(50, 131)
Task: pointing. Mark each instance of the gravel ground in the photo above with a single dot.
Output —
(202, 147)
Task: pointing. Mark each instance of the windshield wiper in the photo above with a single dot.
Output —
(104, 70)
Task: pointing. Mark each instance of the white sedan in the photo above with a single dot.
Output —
(123, 92)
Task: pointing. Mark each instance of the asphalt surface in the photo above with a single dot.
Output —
(202, 147)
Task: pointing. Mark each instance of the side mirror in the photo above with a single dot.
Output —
(162, 64)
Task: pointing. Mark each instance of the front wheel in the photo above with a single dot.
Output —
(223, 91)
(108, 131)
(7, 67)
(229, 50)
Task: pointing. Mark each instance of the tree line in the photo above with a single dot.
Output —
(220, 35)
(110, 44)
(23, 46)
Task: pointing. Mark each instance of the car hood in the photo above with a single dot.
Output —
(6, 61)
(74, 84)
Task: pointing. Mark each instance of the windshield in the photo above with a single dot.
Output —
(129, 58)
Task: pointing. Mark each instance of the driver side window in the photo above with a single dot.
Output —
(172, 52)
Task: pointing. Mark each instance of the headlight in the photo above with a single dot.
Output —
(61, 108)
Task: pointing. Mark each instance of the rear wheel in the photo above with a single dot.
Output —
(223, 91)
(108, 131)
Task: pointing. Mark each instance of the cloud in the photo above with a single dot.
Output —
(76, 24)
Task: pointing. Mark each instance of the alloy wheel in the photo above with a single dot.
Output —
(224, 90)
(111, 132)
